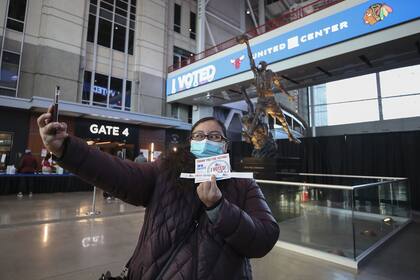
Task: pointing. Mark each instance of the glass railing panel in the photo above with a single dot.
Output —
(379, 210)
(328, 180)
(317, 218)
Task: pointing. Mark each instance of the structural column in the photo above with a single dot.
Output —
(312, 110)
(201, 26)
(379, 91)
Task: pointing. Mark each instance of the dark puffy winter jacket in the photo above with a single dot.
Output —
(245, 227)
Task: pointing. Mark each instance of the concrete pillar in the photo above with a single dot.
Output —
(312, 110)
(201, 30)
(379, 91)
(201, 111)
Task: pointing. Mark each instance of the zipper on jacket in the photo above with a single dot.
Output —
(194, 252)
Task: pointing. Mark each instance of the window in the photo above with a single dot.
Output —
(320, 108)
(101, 93)
(401, 107)
(400, 92)
(86, 87)
(122, 5)
(180, 55)
(115, 97)
(120, 24)
(400, 81)
(104, 33)
(119, 38)
(346, 101)
(91, 28)
(190, 113)
(9, 71)
(16, 14)
(128, 96)
(192, 25)
(107, 6)
(100, 90)
(174, 110)
(131, 41)
(177, 18)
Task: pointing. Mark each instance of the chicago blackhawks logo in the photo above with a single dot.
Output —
(376, 12)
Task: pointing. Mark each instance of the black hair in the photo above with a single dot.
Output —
(210, 119)
(182, 160)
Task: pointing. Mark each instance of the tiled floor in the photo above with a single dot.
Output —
(57, 207)
(71, 246)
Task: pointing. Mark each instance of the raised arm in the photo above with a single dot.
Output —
(251, 59)
(243, 39)
(131, 182)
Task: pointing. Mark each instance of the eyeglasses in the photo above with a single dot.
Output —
(212, 136)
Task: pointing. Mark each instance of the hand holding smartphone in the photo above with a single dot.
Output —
(54, 113)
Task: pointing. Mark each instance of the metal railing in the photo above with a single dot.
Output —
(270, 25)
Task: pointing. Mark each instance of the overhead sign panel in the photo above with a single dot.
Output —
(354, 22)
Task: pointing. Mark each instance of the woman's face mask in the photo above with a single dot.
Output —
(207, 148)
(208, 140)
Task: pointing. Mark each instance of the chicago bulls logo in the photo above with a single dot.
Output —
(237, 61)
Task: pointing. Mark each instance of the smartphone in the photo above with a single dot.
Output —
(55, 104)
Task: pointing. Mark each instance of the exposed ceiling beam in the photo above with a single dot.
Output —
(225, 22)
(252, 13)
(365, 60)
(210, 33)
(289, 79)
(324, 71)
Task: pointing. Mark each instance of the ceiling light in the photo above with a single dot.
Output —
(388, 220)
(248, 12)
(103, 143)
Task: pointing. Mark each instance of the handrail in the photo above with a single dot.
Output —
(325, 186)
(282, 20)
(301, 184)
(343, 176)
(375, 184)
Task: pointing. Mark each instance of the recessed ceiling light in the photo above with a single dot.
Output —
(248, 12)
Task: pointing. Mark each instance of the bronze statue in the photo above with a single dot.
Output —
(255, 126)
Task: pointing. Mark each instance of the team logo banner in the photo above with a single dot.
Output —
(362, 19)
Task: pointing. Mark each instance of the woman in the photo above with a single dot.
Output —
(189, 232)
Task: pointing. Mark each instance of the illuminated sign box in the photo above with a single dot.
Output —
(354, 22)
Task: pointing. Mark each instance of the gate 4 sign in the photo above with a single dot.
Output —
(108, 130)
(216, 165)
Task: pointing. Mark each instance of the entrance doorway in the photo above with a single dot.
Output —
(119, 149)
